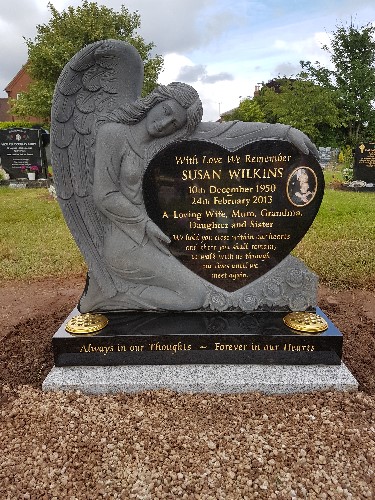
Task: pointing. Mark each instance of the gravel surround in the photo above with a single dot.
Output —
(166, 445)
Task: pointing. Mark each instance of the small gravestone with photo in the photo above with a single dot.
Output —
(22, 152)
(186, 227)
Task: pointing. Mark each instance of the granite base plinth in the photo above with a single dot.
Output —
(217, 379)
(197, 338)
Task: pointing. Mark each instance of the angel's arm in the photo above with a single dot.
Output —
(236, 132)
(110, 150)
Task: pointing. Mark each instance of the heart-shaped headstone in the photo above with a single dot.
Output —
(232, 215)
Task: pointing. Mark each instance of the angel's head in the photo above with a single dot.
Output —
(167, 109)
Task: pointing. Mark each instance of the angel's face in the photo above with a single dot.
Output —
(165, 118)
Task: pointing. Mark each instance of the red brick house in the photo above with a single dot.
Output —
(20, 83)
(4, 110)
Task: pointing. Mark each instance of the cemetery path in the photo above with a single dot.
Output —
(165, 445)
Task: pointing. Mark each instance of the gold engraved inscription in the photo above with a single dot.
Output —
(173, 348)
(369, 159)
(267, 347)
(181, 347)
(193, 175)
(100, 349)
(219, 209)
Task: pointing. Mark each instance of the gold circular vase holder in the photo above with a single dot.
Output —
(305, 322)
(85, 324)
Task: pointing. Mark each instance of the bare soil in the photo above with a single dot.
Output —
(160, 444)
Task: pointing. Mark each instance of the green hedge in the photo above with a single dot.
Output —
(21, 124)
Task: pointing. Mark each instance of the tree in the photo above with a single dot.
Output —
(248, 111)
(262, 97)
(304, 105)
(64, 35)
(352, 54)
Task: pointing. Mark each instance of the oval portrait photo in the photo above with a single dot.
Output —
(301, 186)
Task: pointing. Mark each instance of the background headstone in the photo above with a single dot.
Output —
(364, 162)
(327, 155)
(23, 147)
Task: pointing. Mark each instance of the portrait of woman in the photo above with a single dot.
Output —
(301, 186)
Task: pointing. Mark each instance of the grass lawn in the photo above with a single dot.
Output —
(35, 241)
(340, 244)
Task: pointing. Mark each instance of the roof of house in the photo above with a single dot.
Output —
(19, 75)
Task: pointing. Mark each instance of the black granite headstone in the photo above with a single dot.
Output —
(21, 149)
(364, 162)
(186, 226)
(233, 216)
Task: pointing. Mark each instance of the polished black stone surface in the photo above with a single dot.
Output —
(22, 147)
(233, 216)
(364, 162)
(197, 338)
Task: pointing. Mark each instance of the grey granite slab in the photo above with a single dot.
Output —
(275, 379)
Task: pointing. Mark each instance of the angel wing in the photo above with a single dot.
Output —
(95, 81)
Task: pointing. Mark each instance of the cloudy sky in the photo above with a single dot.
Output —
(223, 48)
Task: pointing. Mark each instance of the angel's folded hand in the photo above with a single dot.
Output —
(157, 236)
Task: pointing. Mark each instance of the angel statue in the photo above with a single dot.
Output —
(104, 134)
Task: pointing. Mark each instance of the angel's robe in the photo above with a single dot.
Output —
(117, 188)
(158, 279)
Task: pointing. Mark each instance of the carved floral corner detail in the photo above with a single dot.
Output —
(218, 301)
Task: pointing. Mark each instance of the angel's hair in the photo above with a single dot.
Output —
(184, 94)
